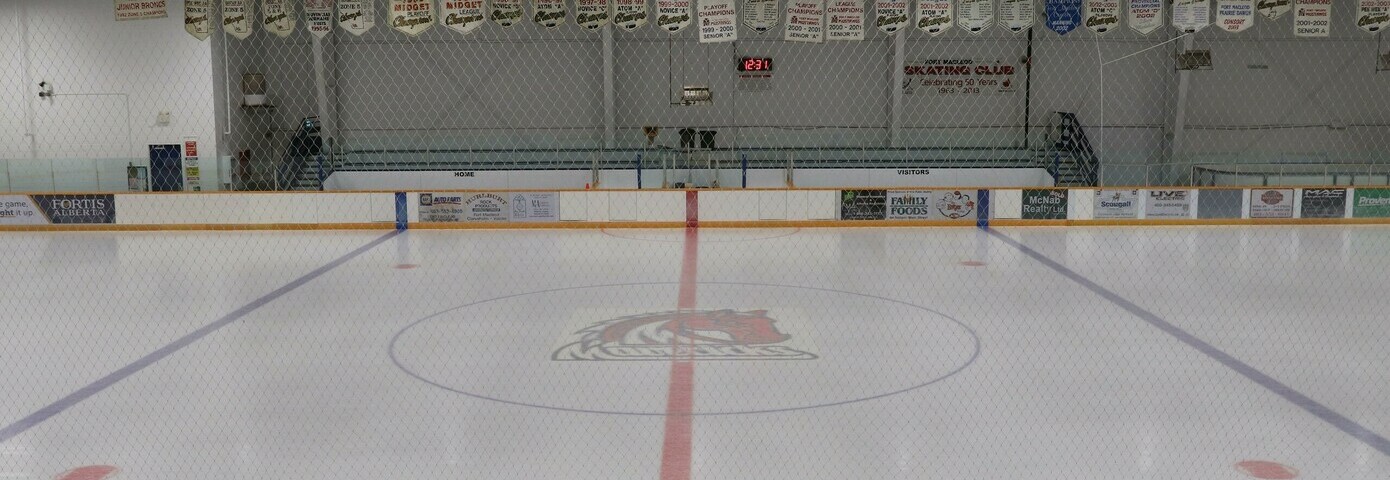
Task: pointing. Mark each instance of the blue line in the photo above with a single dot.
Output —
(402, 212)
(96, 387)
(1365, 435)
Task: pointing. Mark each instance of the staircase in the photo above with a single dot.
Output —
(1069, 156)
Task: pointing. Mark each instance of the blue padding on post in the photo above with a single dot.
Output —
(402, 213)
(982, 210)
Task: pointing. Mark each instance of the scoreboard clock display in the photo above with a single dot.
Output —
(755, 64)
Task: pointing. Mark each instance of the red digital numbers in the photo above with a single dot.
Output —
(755, 64)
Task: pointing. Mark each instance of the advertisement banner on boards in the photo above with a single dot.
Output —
(1324, 203)
(1117, 204)
(1168, 204)
(1312, 18)
(863, 204)
(1235, 16)
(931, 205)
(891, 15)
(1271, 203)
(1145, 16)
(1273, 9)
(535, 207)
(1191, 15)
(844, 20)
(466, 207)
(718, 21)
(975, 16)
(441, 207)
(357, 16)
(760, 15)
(630, 14)
(462, 16)
(127, 10)
(1017, 15)
(318, 16)
(412, 17)
(960, 77)
(1372, 203)
(1219, 203)
(1044, 204)
(1373, 16)
(672, 15)
(592, 14)
(549, 13)
(279, 17)
(1102, 16)
(1063, 16)
(57, 209)
(506, 13)
(935, 16)
(237, 17)
(805, 21)
(197, 18)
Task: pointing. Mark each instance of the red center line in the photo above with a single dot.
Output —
(680, 396)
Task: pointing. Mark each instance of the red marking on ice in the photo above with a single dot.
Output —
(680, 395)
(1267, 470)
(973, 263)
(90, 472)
(406, 266)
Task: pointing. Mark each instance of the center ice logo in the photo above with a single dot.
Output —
(695, 334)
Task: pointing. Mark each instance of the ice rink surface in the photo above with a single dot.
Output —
(948, 353)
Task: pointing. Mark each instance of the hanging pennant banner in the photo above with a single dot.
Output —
(1017, 15)
(412, 17)
(1373, 15)
(1235, 16)
(506, 13)
(1191, 15)
(1102, 16)
(356, 16)
(279, 17)
(805, 21)
(890, 15)
(1145, 16)
(936, 16)
(463, 16)
(845, 20)
(197, 18)
(1273, 9)
(718, 21)
(630, 14)
(1063, 16)
(318, 14)
(592, 14)
(672, 15)
(760, 15)
(549, 13)
(1312, 18)
(976, 15)
(236, 18)
(140, 10)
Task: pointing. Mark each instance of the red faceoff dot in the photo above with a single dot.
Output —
(1267, 470)
(973, 263)
(90, 472)
(406, 266)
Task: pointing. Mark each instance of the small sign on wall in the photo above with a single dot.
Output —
(192, 170)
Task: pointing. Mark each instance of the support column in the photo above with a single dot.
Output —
(327, 120)
(1179, 123)
(895, 90)
(610, 128)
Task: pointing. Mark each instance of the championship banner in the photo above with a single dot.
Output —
(672, 15)
(127, 10)
(936, 16)
(592, 14)
(535, 207)
(1168, 204)
(1145, 16)
(1117, 204)
(356, 16)
(1372, 203)
(412, 17)
(1324, 203)
(976, 15)
(236, 18)
(197, 18)
(891, 15)
(57, 209)
(506, 13)
(279, 17)
(1044, 204)
(805, 21)
(1312, 18)
(463, 16)
(1273, 9)
(1271, 203)
(1017, 15)
(718, 21)
(760, 15)
(960, 77)
(1102, 16)
(630, 15)
(1063, 16)
(1191, 15)
(318, 14)
(1373, 15)
(863, 204)
(549, 13)
(846, 20)
(1235, 16)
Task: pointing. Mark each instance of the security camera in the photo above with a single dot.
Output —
(45, 90)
